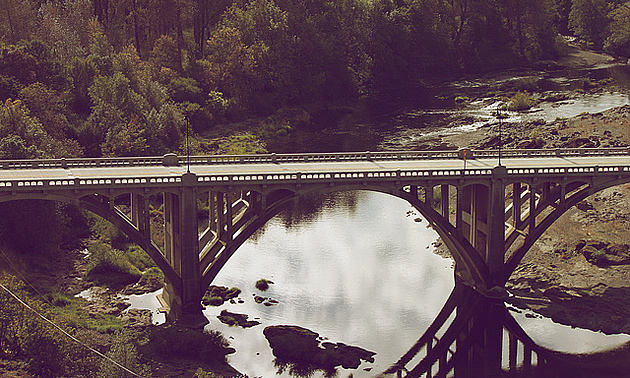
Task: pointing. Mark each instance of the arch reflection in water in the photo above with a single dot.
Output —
(476, 336)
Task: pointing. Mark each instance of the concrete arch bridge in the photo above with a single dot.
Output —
(487, 214)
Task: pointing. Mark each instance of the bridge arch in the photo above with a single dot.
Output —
(99, 205)
(552, 204)
(469, 264)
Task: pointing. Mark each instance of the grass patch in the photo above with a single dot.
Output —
(521, 101)
(109, 266)
(241, 145)
(67, 310)
(139, 258)
(217, 295)
(263, 284)
(171, 342)
(152, 277)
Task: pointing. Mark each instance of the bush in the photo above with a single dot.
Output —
(173, 342)
(521, 101)
(461, 99)
(109, 266)
(212, 301)
(27, 337)
(153, 277)
(124, 352)
(105, 231)
(139, 258)
(263, 284)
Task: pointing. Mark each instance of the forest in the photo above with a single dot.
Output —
(105, 78)
(127, 77)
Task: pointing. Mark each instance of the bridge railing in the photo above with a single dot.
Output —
(174, 160)
(341, 177)
(551, 152)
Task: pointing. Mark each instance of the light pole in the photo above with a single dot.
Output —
(187, 147)
(500, 117)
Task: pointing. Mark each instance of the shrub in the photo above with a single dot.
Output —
(24, 335)
(104, 230)
(526, 84)
(212, 301)
(521, 101)
(124, 352)
(172, 342)
(139, 258)
(109, 266)
(241, 145)
(461, 99)
(263, 284)
(153, 277)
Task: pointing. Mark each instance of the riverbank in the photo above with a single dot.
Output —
(557, 277)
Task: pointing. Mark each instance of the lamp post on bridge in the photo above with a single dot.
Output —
(187, 147)
(500, 117)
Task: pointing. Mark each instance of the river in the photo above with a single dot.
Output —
(359, 267)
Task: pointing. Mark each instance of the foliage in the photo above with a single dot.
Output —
(170, 342)
(25, 216)
(241, 145)
(124, 352)
(588, 20)
(109, 266)
(618, 41)
(139, 258)
(24, 335)
(104, 231)
(521, 101)
(200, 373)
(152, 277)
(263, 284)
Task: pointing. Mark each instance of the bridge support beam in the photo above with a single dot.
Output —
(495, 256)
(183, 298)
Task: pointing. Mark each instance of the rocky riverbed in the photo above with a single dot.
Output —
(559, 277)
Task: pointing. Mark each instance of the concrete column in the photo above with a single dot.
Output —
(229, 215)
(140, 214)
(532, 208)
(444, 194)
(212, 212)
(220, 215)
(516, 204)
(171, 229)
(496, 226)
(191, 291)
(182, 242)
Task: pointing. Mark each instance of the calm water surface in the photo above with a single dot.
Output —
(361, 271)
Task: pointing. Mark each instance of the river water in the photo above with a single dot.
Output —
(359, 267)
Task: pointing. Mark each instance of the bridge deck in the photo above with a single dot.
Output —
(317, 167)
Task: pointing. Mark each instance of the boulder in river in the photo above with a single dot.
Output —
(300, 345)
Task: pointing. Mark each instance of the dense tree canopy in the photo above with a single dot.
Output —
(126, 77)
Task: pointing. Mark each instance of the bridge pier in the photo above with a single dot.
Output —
(183, 297)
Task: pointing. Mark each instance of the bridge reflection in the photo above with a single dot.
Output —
(476, 336)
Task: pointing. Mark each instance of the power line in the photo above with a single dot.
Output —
(16, 270)
(69, 335)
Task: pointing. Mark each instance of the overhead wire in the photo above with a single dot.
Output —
(55, 325)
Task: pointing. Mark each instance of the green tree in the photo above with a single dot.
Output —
(618, 42)
(17, 18)
(588, 20)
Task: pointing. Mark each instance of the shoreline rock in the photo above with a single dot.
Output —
(295, 344)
